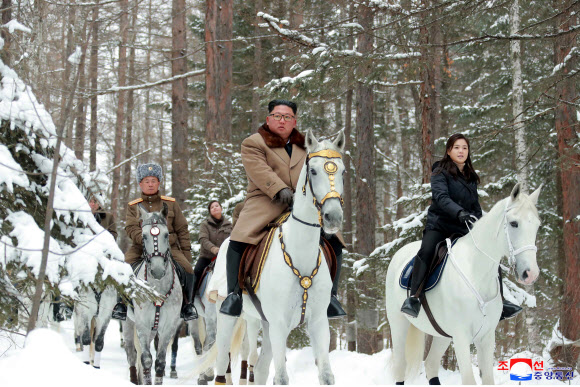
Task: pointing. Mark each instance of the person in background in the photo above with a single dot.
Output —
(212, 233)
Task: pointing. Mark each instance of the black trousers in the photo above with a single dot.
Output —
(200, 266)
(428, 244)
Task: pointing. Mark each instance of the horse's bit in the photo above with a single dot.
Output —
(330, 168)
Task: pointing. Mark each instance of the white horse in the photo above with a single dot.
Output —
(92, 314)
(466, 303)
(295, 284)
(149, 319)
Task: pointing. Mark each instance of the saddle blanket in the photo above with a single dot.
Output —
(432, 279)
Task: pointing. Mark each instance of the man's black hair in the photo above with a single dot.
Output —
(276, 102)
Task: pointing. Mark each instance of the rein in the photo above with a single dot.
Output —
(305, 281)
(512, 260)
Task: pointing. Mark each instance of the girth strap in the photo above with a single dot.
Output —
(432, 320)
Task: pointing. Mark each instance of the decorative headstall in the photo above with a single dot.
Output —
(330, 168)
(155, 231)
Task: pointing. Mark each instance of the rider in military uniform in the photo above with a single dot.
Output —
(149, 178)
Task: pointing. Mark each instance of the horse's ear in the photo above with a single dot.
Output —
(311, 141)
(165, 210)
(340, 141)
(143, 211)
(515, 192)
(536, 194)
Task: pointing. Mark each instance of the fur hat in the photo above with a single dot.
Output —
(151, 169)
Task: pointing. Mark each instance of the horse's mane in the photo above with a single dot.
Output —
(156, 216)
(523, 201)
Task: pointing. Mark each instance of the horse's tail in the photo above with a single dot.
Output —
(201, 326)
(208, 361)
(414, 349)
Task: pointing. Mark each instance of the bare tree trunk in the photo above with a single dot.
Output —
(257, 75)
(122, 69)
(518, 97)
(94, 79)
(81, 118)
(5, 34)
(68, 49)
(179, 111)
(398, 150)
(147, 120)
(218, 75)
(367, 315)
(569, 158)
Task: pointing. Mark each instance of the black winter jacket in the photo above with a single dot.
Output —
(449, 196)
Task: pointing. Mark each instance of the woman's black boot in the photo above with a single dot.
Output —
(412, 305)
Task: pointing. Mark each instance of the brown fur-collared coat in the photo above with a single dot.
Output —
(269, 169)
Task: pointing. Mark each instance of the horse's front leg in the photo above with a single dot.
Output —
(225, 330)
(101, 324)
(485, 349)
(319, 332)
(210, 326)
(144, 336)
(438, 347)
(278, 338)
(463, 353)
(263, 364)
(165, 338)
(252, 329)
(128, 328)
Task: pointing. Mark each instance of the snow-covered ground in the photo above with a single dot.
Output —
(49, 358)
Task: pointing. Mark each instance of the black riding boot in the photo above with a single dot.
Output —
(509, 310)
(232, 305)
(120, 310)
(56, 312)
(187, 280)
(334, 308)
(412, 305)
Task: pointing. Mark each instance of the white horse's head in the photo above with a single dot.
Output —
(156, 248)
(521, 223)
(324, 178)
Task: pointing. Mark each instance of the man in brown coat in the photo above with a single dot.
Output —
(105, 219)
(273, 159)
(149, 178)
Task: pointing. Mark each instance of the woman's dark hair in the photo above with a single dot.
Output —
(212, 202)
(448, 165)
(276, 102)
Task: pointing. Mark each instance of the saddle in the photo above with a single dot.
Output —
(254, 257)
(435, 270)
(202, 282)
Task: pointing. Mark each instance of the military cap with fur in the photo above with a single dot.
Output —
(146, 170)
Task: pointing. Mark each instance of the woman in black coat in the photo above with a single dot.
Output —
(455, 204)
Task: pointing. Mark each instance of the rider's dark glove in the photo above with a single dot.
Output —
(284, 196)
(465, 217)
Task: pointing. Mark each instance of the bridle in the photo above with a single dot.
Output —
(155, 232)
(330, 168)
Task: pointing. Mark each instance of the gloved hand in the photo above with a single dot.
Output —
(284, 196)
(466, 217)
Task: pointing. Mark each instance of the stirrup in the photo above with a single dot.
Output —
(119, 312)
(335, 309)
(232, 305)
(411, 306)
(188, 312)
(509, 310)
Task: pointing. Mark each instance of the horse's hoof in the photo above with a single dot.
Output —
(173, 374)
(229, 379)
(159, 380)
(133, 375)
(435, 381)
(201, 381)
(243, 382)
(198, 350)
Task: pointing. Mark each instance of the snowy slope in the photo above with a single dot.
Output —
(49, 359)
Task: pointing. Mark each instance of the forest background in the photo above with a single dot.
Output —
(182, 83)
